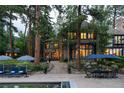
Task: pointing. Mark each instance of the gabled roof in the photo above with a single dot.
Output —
(84, 24)
(113, 31)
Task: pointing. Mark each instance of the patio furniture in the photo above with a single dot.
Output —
(5, 57)
(104, 74)
(114, 73)
(96, 73)
(26, 58)
(101, 72)
(1, 70)
(13, 70)
(101, 56)
(23, 70)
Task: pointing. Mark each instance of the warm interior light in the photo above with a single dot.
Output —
(10, 54)
(6, 54)
(15, 54)
(56, 45)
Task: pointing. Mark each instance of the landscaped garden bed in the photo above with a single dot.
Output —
(30, 67)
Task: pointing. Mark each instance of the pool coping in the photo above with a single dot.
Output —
(72, 83)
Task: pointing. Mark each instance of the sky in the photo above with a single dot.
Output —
(21, 27)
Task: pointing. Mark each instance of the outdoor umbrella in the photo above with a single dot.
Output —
(101, 56)
(26, 58)
(5, 58)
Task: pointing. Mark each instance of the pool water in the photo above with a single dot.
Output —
(65, 84)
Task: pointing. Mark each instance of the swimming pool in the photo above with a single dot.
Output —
(63, 84)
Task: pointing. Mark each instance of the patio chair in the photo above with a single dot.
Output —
(1, 70)
(106, 74)
(13, 71)
(114, 73)
(22, 70)
(96, 73)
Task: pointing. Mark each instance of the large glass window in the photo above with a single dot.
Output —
(122, 39)
(56, 45)
(115, 51)
(86, 49)
(82, 46)
(55, 55)
(87, 36)
(46, 45)
(118, 40)
(83, 35)
(72, 35)
(92, 36)
(115, 39)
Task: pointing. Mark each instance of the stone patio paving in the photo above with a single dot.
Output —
(59, 73)
(78, 79)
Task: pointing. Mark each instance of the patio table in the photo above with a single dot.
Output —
(102, 73)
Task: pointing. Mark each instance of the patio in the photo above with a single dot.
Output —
(79, 79)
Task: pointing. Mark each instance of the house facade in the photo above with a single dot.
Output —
(58, 49)
(116, 46)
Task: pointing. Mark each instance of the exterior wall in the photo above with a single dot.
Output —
(120, 24)
(52, 50)
(117, 43)
(117, 47)
(87, 46)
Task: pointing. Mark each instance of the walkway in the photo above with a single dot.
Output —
(59, 68)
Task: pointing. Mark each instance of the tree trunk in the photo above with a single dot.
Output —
(37, 49)
(78, 38)
(25, 40)
(30, 51)
(37, 37)
(61, 50)
(10, 30)
(97, 43)
(114, 16)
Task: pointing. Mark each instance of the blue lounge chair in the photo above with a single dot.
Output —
(13, 71)
(1, 70)
(22, 70)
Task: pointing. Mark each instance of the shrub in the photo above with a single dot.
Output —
(120, 64)
(36, 67)
(45, 67)
(14, 62)
(65, 60)
(43, 59)
(30, 66)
